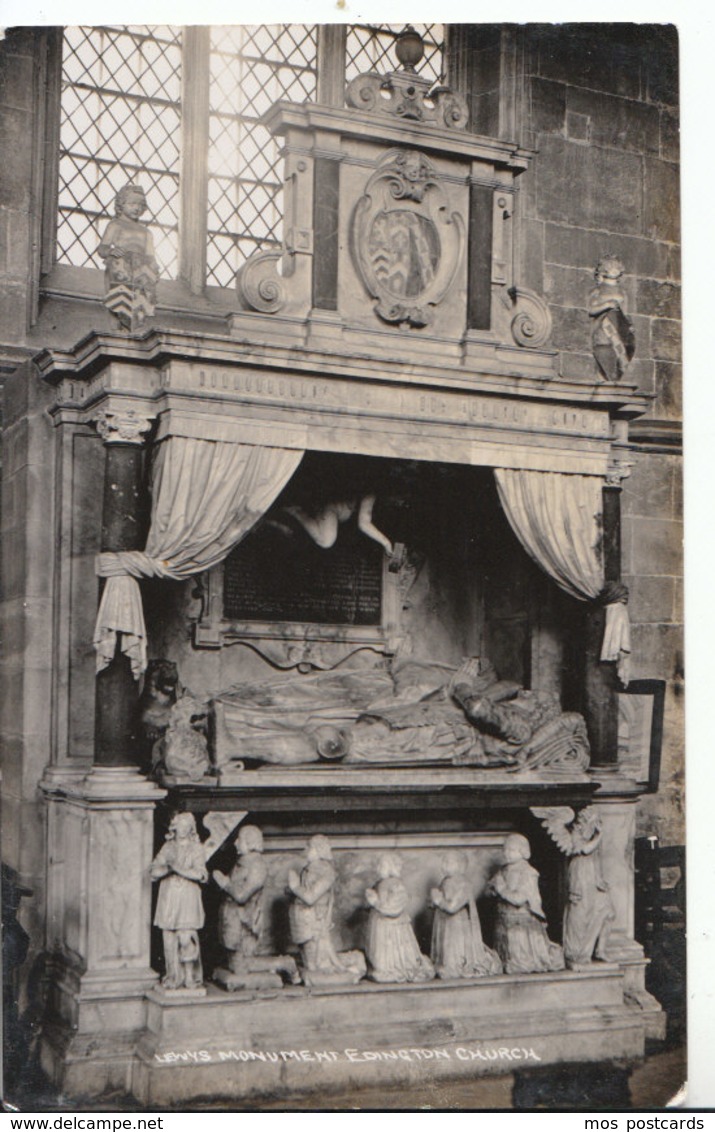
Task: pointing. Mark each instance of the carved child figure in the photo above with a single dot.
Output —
(520, 936)
(311, 920)
(241, 920)
(127, 249)
(241, 916)
(393, 952)
(613, 338)
(458, 950)
(181, 867)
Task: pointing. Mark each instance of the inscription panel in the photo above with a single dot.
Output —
(264, 580)
(369, 400)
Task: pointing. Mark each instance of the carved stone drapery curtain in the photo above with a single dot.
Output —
(206, 496)
(557, 518)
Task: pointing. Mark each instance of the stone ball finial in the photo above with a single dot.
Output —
(409, 48)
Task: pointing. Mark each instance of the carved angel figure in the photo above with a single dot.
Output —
(180, 865)
(458, 950)
(520, 935)
(324, 523)
(589, 911)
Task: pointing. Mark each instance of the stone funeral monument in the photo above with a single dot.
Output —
(339, 638)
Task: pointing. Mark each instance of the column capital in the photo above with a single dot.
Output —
(125, 426)
(617, 471)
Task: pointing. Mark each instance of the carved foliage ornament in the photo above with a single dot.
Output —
(127, 427)
(407, 241)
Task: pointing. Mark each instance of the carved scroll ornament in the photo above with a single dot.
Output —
(531, 324)
(407, 241)
(407, 96)
(259, 286)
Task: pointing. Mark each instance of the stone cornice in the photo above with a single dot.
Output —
(309, 116)
(157, 348)
(665, 437)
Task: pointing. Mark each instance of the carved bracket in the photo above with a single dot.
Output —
(531, 323)
(259, 286)
(408, 96)
(407, 242)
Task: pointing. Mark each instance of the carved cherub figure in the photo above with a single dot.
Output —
(520, 935)
(613, 337)
(458, 950)
(180, 865)
(392, 949)
(589, 911)
(127, 249)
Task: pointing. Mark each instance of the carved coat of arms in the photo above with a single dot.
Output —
(407, 241)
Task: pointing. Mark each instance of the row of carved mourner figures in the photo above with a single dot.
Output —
(392, 953)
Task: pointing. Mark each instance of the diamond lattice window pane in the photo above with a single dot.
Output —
(120, 122)
(371, 47)
(251, 68)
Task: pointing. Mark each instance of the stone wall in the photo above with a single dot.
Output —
(27, 550)
(601, 110)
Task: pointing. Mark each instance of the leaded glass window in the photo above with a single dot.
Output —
(250, 69)
(120, 122)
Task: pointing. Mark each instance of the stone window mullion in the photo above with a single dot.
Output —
(194, 158)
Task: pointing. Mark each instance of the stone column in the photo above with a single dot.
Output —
(123, 528)
(100, 841)
(601, 679)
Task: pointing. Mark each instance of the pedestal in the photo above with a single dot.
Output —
(618, 821)
(100, 830)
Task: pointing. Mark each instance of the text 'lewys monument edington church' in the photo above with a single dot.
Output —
(342, 672)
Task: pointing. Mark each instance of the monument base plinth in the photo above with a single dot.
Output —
(249, 1045)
